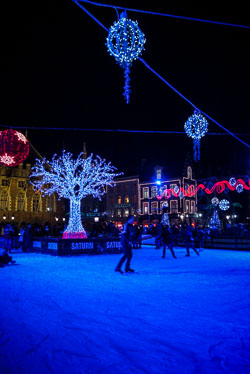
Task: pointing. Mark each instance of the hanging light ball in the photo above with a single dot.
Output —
(239, 188)
(125, 42)
(181, 195)
(196, 127)
(232, 181)
(176, 189)
(215, 201)
(224, 204)
(14, 147)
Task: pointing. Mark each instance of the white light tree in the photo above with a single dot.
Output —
(73, 180)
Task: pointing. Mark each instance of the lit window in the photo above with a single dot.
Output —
(127, 199)
(187, 206)
(119, 200)
(154, 191)
(154, 207)
(126, 212)
(173, 206)
(192, 207)
(36, 204)
(189, 172)
(50, 204)
(145, 208)
(4, 201)
(21, 202)
(146, 193)
(119, 213)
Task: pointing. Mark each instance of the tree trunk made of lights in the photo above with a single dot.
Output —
(75, 228)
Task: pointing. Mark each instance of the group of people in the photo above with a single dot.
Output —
(166, 237)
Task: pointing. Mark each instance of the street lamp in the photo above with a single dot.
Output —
(96, 219)
(56, 218)
(4, 217)
(12, 217)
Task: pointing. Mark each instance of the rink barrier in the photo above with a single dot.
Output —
(223, 242)
(73, 247)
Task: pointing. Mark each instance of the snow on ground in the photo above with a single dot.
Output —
(76, 315)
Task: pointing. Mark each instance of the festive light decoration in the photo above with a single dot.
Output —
(219, 187)
(14, 147)
(125, 42)
(73, 180)
(232, 181)
(239, 188)
(224, 204)
(176, 189)
(215, 201)
(165, 220)
(215, 221)
(196, 127)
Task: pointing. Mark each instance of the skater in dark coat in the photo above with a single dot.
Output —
(126, 242)
(189, 240)
(167, 240)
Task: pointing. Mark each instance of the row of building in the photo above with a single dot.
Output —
(19, 202)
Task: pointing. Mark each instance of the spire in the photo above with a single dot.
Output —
(84, 156)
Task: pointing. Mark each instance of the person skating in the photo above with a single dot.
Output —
(166, 234)
(126, 242)
(189, 240)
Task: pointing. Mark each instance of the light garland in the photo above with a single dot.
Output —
(73, 180)
(196, 127)
(224, 204)
(215, 201)
(232, 181)
(218, 187)
(239, 188)
(125, 42)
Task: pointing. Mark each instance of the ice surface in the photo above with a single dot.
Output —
(76, 315)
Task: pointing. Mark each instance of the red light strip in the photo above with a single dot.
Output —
(218, 186)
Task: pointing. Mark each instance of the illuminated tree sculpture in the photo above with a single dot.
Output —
(73, 180)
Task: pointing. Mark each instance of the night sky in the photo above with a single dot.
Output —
(56, 72)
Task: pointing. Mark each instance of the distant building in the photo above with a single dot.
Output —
(133, 196)
(20, 203)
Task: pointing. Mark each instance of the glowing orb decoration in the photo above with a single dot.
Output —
(196, 127)
(239, 188)
(224, 204)
(232, 181)
(176, 189)
(165, 204)
(215, 201)
(125, 42)
(181, 195)
(14, 147)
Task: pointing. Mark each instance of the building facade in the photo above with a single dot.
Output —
(131, 196)
(19, 202)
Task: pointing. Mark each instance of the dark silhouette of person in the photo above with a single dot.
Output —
(168, 240)
(27, 238)
(189, 240)
(126, 242)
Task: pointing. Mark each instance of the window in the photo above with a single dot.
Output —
(50, 204)
(4, 182)
(111, 200)
(192, 207)
(126, 212)
(146, 193)
(189, 172)
(126, 188)
(21, 202)
(187, 206)
(36, 204)
(154, 191)
(119, 199)
(119, 213)
(145, 208)
(134, 199)
(119, 188)
(163, 204)
(158, 174)
(133, 188)
(126, 199)
(173, 206)
(21, 184)
(154, 207)
(4, 200)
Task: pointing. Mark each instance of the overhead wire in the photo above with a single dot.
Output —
(159, 76)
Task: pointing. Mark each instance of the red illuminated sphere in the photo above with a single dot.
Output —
(14, 147)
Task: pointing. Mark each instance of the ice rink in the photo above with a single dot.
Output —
(76, 315)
